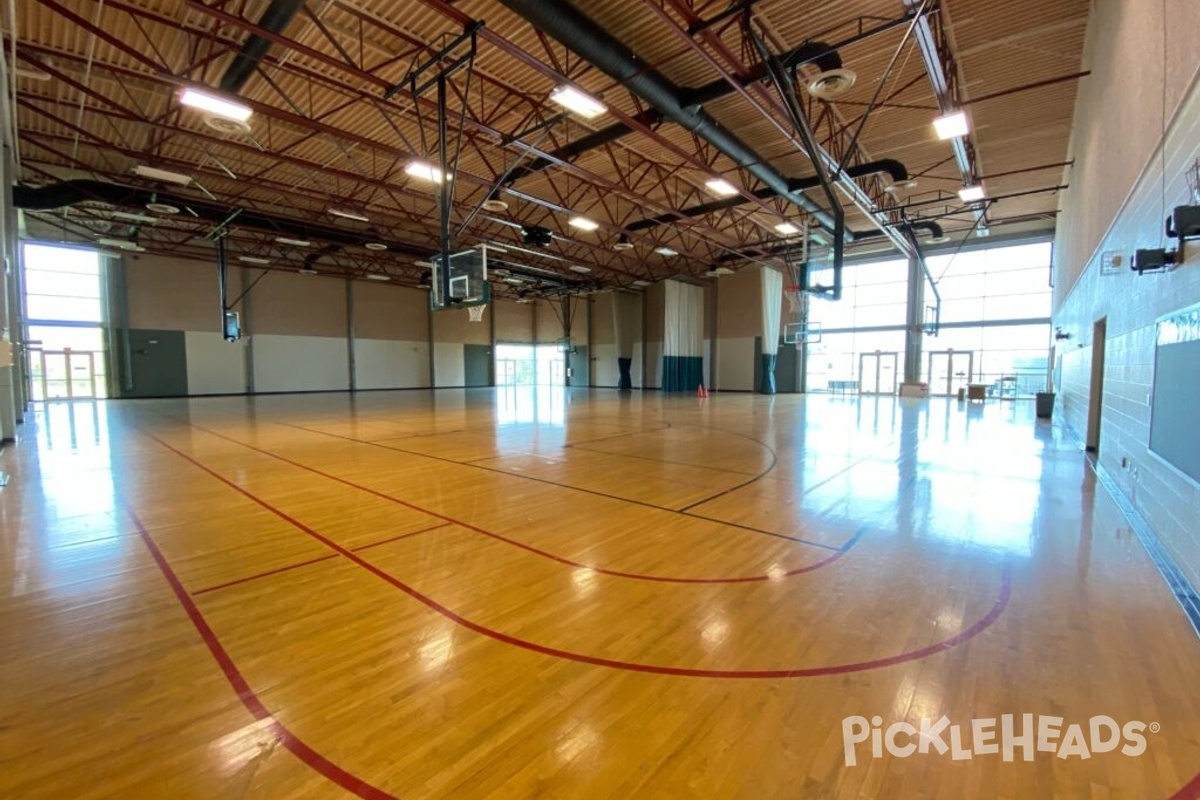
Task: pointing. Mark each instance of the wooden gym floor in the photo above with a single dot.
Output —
(517, 594)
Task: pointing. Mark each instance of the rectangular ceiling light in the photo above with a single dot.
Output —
(214, 104)
(721, 187)
(951, 126)
(971, 194)
(576, 101)
(166, 176)
(424, 171)
(640, 282)
(787, 228)
(293, 242)
(345, 214)
(583, 224)
(665, 251)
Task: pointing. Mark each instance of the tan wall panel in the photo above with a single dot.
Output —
(393, 313)
(514, 321)
(450, 326)
(549, 327)
(175, 294)
(298, 305)
(739, 305)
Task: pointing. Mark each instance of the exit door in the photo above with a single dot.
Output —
(950, 370)
(877, 373)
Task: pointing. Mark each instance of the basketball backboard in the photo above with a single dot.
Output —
(468, 281)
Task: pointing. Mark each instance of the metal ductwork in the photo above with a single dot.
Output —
(69, 193)
(935, 231)
(577, 31)
(819, 53)
(895, 169)
(274, 20)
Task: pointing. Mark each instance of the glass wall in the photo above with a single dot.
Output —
(995, 325)
(65, 315)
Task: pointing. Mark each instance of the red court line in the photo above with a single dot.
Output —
(263, 574)
(937, 647)
(362, 547)
(837, 552)
(251, 701)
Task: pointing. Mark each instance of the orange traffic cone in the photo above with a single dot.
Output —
(700, 392)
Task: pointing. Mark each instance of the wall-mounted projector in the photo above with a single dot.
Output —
(537, 236)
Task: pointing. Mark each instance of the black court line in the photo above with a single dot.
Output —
(569, 487)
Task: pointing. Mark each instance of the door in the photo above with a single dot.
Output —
(787, 368)
(877, 373)
(950, 370)
(477, 364)
(1096, 396)
(158, 362)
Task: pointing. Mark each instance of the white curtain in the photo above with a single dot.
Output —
(683, 320)
(772, 307)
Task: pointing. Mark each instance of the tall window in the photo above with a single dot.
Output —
(64, 312)
(995, 324)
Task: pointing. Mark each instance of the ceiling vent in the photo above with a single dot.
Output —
(831, 84)
(225, 125)
(495, 205)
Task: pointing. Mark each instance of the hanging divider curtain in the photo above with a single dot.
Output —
(627, 325)
(683, 337)
(772, 306)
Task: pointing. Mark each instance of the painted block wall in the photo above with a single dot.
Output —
(1132, 146)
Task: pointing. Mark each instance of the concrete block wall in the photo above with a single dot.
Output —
(1133, 146)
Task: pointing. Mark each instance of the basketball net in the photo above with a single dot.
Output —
(476, 313)
(795, 300)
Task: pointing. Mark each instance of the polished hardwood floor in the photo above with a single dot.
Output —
(520, 594)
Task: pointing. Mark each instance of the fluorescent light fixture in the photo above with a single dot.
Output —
(721, 187)
(376, 246)
(122, 244)
(126, 215)
(254, 260)
(952, 126)
(293, 242)
(576, 101)
(425, 264)
(640, 282)
(665, 251)
(376, 276)
(166, 176)
(214, 104)
(971, 194)
(162, 208)
(787, 228)
(580, 268)
(307, 271)
(583, 224)
(424, 171)
(345, 214)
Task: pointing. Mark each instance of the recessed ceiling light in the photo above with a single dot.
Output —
(424, 171)
(307, 271)
(254, 260)
(583, 224)
(162, 208)
(721, 187)
(665, 251)
(293, 242)
(787, 228)
(347, 214)
(641, 282)
(580, 268)
(971, 194)
(376, 246)
(951, 126)
(574, 100)
(377, 276)
(214, 104)
(156, 174)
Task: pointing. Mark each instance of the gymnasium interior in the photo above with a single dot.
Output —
(600, 399)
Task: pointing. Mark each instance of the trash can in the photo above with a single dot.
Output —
(1045, 404)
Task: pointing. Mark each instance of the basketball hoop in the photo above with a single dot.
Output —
(476, 313)
(795, 298)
